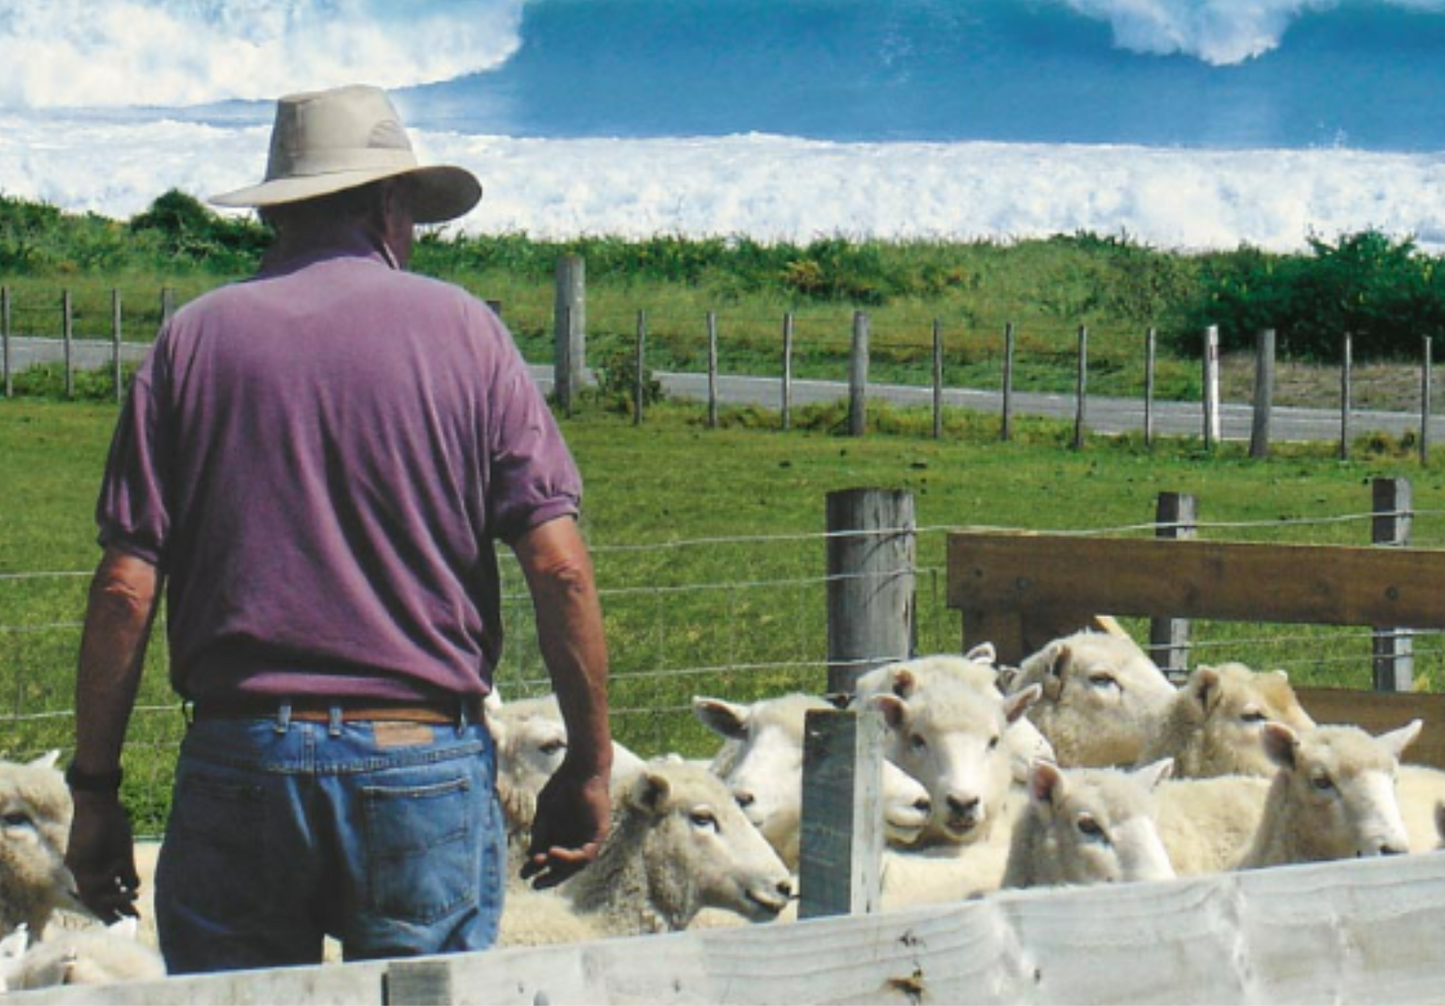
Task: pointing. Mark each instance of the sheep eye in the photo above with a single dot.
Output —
(1252, 716)
(15, 819)
(993, 742)
(552, 747)
(1088, 826)
(1103, 681)
(1323, 783)
(704, 819)
(918, 742)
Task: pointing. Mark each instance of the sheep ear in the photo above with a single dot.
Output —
(1398, 740)
(1204, 685)
(1046, 783)
(492, 704)
(1057, 662)
(48, 760)
(1280, 743)
(728, 719)
(894, 710)
(1008, 678)
(1015, 705)
(905, 683)
(650, 790)
(1156, 772)
(983, 653)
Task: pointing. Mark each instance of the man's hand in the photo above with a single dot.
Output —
(574, 813)
(101, 856)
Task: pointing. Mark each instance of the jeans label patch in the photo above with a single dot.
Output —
(396, 735)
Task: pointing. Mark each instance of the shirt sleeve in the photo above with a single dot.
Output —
(533, 476)
(131, 512)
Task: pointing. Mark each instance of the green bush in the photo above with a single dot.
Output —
(1382, 291)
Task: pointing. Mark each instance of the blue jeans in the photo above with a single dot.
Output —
(385, 836)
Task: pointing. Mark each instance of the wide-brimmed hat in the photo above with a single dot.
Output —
(330, 141)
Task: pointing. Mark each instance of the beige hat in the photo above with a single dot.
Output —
(329, 141)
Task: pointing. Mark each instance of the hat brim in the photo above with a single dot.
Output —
(443, 192)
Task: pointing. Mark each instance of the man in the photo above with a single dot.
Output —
(315, 465)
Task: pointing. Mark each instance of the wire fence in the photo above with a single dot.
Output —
(743, 618)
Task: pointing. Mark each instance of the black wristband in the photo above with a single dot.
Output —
(85, 782)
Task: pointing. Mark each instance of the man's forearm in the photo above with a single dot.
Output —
(569, 632)
(121, 609)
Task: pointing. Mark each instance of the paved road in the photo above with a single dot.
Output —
(1103, 415)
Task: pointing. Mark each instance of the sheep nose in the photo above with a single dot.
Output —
(1387, 849)
(963, 808)
(744, 798)
(785, 889)
(923, 805)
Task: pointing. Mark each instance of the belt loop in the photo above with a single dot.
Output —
(283, 716)
(333, 720)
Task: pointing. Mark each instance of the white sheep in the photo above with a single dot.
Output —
(35, 813)
(1213, 725)
(1088, 826)
(761, 760)
(1102, 697)
(679, 844)
(1421, 789)
(1207, 824)
(951, 739)
(1333, 796)
(979, 668)
(91, 956)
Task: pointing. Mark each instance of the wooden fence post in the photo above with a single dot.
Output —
(1211, 386)
(1177, 517)
(788, 371)
(1393, 648)
(1081, 389)
(67, 332)
(1263, 393)
(570, 347)
(115, 340)
(937, 380)
(871, 576)
(1151, 339)
(712, 370)
(639, 382)
(1347, 366)
(168, 304)
(858, 377)
(840, 872)
(1006, 426)
(5, 340)
(1426, 394)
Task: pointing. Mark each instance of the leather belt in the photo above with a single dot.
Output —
(317, 710)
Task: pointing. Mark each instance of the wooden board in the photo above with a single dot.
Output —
(1318, 584)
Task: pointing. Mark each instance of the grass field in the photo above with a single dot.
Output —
(709, 550)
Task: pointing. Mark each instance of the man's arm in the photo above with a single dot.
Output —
(124, 595)
(574, 808)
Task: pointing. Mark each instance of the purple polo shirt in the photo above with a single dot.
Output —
(320, 460)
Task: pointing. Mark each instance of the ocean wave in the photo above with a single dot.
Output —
(1218, 32)
(785, 189)
(170, 53)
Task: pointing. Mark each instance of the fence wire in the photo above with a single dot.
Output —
(748, 621)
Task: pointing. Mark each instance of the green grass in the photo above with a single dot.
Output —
(709, 551)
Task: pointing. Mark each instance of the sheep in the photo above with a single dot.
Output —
(1102, 698)
(1213, 724)
(761, 760)
(1207, 824)
(1088, 826)
(35, 813)
(978, 667)
(952, 741)
(92, 956)
(1421, 789)
(679, 844)
(1333, 796)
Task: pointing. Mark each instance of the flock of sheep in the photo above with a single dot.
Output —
(1084, 765)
